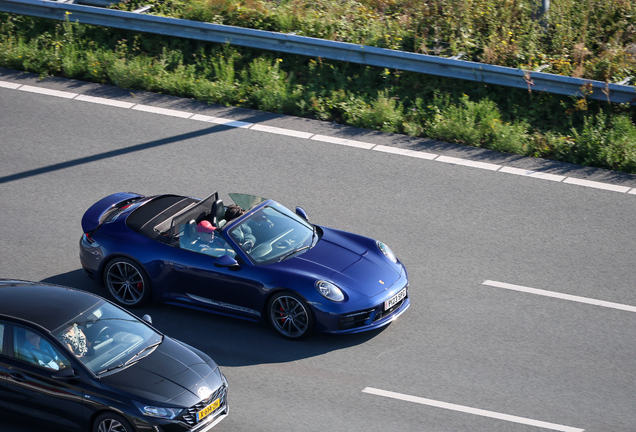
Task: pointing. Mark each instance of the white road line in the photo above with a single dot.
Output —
(324, 138)
(598, 185)
(342, 141)
(405, 152)
(222, 121)
(104, 101)
(163, 111)
(45, 91)
(560, 296)
(9, 85)
(469, 410)
(467, 162)
(281, 131)
(534, 174)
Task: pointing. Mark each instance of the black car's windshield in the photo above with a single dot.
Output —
(106, 337)
(273, 233)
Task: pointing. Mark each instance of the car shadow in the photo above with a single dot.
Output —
(229, 341)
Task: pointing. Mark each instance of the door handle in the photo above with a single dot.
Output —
(17, 376)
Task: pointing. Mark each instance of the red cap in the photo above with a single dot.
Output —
(205, 227)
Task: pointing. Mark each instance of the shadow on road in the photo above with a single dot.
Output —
(229, 341)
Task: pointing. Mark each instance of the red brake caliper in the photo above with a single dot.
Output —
(140, 286)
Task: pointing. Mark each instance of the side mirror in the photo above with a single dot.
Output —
(302, 213)
(226, 261)
(147, 318)
(66, 373)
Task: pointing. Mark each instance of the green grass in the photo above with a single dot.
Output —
(576, 130)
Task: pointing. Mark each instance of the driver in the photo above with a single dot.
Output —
(38, 351)
(243, 233)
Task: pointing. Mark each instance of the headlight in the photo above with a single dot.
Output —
(386, 251)
(159, 412)
(330, 291)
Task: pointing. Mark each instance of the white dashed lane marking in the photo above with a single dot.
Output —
(560, 295)
(469, 410)
(323, 138)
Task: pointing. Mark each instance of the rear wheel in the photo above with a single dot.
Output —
(127, 282)
(290, 316)
(111, 422)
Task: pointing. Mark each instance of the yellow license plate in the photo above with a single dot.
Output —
(208, 409)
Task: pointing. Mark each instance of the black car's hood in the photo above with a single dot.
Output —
(172, 374)
(348, 260)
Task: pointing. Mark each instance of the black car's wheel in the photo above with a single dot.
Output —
(127, 282)
(111, 422)
(290, 315)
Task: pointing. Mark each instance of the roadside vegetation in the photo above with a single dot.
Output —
(595, 39)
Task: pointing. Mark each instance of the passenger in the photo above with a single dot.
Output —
(206, 239)
(76, 341)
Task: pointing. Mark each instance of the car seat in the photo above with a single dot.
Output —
(189, 236)
(217, 215)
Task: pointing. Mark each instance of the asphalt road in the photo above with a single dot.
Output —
(500, 359)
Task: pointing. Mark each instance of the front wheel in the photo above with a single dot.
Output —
(290, 316)
(111, 422)
(127, 282)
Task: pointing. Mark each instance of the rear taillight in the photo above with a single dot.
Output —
(88, 238)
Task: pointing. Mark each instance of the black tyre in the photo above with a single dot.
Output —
(111, 422)
(127, 282)
(290, 316)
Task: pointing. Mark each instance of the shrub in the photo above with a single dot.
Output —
(477, 124)
(608, 142)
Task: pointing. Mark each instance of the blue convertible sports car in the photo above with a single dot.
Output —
(268, 263)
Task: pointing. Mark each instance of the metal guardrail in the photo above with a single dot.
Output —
(307, 46)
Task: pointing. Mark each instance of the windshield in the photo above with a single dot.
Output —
(273, 233)
(246, 201)
(106, 337)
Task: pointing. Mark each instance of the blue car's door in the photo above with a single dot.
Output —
(226, 290)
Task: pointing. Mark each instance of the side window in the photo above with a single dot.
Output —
(31, 347)
(1, 337)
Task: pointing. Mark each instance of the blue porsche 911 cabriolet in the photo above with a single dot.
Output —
(254, 259)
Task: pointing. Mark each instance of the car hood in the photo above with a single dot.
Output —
(350, 261)
(172, 374)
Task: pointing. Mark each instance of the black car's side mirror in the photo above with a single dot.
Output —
(302, 213)
(226, 261)
(147, 318)
(66, 373)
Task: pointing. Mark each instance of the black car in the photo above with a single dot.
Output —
(76, 360)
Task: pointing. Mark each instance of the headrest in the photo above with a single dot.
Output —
(218, 213)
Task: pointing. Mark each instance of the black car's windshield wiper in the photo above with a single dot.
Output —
(110, 369)
(148, 348)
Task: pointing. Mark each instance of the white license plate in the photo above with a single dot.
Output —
(395, 299)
